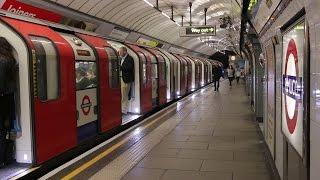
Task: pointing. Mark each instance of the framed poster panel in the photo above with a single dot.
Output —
(271, 97)
(295, 89)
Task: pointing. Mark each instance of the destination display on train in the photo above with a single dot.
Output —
(197, 31)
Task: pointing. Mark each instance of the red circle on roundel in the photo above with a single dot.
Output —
(86, 105)
(291, 122)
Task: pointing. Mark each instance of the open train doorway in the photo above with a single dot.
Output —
(18, 154)
(134, 103)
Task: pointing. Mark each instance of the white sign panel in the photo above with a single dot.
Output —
(86, 102)
(119, 35)
(293, 86)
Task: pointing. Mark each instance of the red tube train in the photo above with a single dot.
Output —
(57, 113)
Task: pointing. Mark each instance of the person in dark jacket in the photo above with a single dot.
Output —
(127, 77)
(7, 89)
(217, 73)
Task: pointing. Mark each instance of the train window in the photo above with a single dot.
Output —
(144, 68)
(86, 75)
(113, 68)
(46, 69)
(154, 68)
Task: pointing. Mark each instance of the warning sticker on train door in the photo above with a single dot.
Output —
(86, 103)
(293, 86)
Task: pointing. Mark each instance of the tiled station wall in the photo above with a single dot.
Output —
(312, 8)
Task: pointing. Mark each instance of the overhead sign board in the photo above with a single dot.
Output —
(23, 9)
(293, 87)
(188, 31)
(118, 34)
(147, 42)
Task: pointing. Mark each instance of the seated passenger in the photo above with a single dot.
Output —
(7, 89)
(92, 78)
(82, 82)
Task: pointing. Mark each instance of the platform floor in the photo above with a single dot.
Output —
(210, 135)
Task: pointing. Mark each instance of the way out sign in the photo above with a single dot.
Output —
(191, 31)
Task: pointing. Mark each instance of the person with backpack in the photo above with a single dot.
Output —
(7, 89)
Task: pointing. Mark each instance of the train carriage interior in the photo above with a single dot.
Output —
(160, 89)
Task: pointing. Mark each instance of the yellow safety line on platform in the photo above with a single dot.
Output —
(103, 154)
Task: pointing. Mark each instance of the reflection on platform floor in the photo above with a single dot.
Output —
(213, 136)
(13, 170)
(126, 118)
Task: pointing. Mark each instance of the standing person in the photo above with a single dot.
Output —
(217, 73)
(127, 77)
(230, 72)
(238, 74)
(7, 89)
(243, 75)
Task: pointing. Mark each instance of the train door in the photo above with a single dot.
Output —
(135, 103)
(192, 72)
(177, 76)
(205, 79)
(188, 73)
(161, 76)
(169, 76)
(209, 71)
(109, 89)
(154, 79)
(145, 78)
(197, 73)
(202, 73)
(183, 75)
(162, 80)
(86, 81)
(180, 66)
(45, 83)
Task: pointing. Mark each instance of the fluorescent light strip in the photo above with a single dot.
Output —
(148, 3)
(178, 24)
(165, 15)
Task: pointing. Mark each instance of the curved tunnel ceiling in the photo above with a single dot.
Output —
(140, 16)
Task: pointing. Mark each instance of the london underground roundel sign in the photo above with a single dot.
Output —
(292, 86)
(292, 103)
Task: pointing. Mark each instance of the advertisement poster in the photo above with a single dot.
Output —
(271, 105)
(23, 9)
(293, 86)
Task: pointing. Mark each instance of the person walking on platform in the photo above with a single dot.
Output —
(217, 73)
(7, 89)
(238, 75)
(127, 77)
(230, 71)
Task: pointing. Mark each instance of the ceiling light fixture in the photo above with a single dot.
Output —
(165, 15)
(146, 1)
